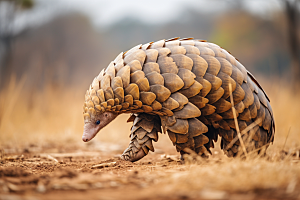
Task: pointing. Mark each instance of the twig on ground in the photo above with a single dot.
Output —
(50, 158)
(102, 165)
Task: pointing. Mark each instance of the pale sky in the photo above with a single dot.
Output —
(103, 13)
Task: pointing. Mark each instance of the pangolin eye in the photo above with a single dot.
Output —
(98, 122)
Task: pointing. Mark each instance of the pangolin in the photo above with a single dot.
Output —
(181, 87)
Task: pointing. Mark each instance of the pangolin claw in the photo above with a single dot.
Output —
(128, 155)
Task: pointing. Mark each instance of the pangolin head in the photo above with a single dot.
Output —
(95, 115)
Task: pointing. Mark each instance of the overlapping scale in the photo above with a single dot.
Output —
(186, 82)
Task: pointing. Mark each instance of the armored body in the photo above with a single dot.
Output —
(181, 87)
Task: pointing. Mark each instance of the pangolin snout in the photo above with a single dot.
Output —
(88, 136)
(89, 132)
(85, 139)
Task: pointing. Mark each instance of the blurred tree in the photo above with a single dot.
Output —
(251, 39)
(9, 10)
(292, 9)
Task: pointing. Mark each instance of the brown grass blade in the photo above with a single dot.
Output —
(248, 128)
(236, 122)
(286, 138)
(10, 97)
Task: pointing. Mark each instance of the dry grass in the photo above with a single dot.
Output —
(49, 114)
(55, 115)
(238, 176)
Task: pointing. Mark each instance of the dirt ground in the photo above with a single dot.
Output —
(70, 171)
(60, 172)
(42, 156)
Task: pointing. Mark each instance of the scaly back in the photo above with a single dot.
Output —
(185, 82)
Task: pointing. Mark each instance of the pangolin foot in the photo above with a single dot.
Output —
(129, 155)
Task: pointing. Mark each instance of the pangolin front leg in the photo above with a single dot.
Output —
(187, 134)
(144, 130)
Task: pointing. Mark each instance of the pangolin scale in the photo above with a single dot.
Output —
(180, 87)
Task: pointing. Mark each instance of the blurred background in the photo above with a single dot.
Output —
(50, 51)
